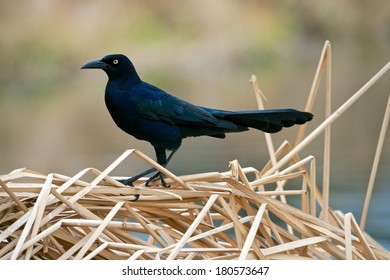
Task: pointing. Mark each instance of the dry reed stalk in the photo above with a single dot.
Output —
(375, 165)
(215, 216)
(333, 117)
(327, 133)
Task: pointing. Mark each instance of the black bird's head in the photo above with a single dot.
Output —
(117, 66)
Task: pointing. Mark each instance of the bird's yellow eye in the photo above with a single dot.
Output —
(115, 61)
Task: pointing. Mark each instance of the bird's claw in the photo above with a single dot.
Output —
(129, 182)
(161, 177)
(136, 197)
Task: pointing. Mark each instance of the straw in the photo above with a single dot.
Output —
(375, 165)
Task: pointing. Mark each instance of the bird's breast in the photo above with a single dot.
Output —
(127, 117)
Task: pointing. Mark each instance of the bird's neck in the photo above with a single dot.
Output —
(125, 81)
(131, 81)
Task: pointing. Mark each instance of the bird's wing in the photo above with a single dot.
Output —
(155, 104)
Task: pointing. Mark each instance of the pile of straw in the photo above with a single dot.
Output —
(239, 214)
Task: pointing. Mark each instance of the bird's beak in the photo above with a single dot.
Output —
(95, 64)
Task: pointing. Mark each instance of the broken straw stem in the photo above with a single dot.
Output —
(375, 166)
(329, 120)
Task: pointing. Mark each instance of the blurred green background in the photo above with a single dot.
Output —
(53, 116)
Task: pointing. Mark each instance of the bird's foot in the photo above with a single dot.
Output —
(136, 197)
(161, 177)
(129, 182)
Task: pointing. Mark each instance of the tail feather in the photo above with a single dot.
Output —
(270, 121)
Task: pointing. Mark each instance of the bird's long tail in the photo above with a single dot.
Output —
(270, 121)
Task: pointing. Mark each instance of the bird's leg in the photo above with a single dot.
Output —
(163, 161)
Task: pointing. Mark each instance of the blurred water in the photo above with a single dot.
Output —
(378, 219)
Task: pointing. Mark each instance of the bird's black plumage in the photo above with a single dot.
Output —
(149, 113)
